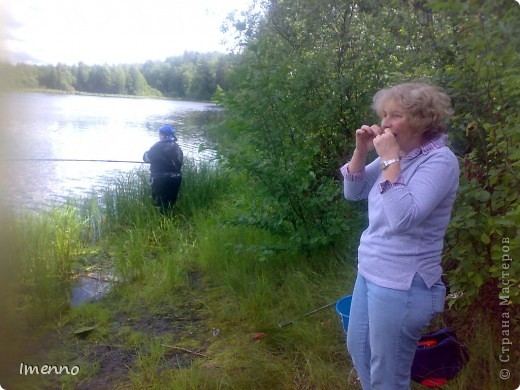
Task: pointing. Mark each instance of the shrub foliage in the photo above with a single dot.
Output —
(304, 83)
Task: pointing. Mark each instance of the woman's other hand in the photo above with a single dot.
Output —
(365, 138)
(364, 144)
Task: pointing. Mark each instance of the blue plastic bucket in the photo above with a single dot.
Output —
(343, 310)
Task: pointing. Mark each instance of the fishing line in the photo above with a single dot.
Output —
(72, 160)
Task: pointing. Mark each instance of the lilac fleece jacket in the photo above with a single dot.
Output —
(407, 220)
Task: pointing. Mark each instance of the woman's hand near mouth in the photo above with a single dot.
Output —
(365, 136)
(386, 145)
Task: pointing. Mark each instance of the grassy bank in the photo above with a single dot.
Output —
(198, 298)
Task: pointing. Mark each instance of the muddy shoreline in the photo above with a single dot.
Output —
(111, 339)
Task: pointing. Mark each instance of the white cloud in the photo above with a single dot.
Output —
(112, 31)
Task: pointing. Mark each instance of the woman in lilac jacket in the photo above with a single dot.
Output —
(410, 187)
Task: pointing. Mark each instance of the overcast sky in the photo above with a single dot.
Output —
(111, 31)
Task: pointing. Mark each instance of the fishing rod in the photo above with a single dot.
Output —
(72, 160)
(287, 323)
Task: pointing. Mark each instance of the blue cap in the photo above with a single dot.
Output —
(167, 130)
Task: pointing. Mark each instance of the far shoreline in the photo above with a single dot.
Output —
(82, 93)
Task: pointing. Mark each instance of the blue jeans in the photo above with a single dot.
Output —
(384, 328)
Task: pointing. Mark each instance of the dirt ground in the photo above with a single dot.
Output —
(111, 352)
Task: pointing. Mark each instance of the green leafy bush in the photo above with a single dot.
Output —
(484, 81)
(304, 84)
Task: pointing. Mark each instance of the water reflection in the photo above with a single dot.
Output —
(45, 126)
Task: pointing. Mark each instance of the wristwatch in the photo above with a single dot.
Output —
(387, 163)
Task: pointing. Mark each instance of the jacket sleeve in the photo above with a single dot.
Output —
(151, 154)
(356, 186)
(408, 205)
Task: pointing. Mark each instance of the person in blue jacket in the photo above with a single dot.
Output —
(410, 186)
(165, 158)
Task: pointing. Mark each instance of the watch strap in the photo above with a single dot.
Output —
(387, 163)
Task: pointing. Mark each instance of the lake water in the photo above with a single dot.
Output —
(49, 126)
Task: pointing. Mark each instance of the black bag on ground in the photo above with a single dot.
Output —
(439, 357)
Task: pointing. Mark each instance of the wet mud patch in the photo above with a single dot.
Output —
(135, 340)
(112, 365)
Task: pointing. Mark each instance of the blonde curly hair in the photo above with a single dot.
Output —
(428, 107)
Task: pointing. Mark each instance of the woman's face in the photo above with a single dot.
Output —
(395, 118)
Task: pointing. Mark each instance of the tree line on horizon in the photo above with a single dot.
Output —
(195, 76)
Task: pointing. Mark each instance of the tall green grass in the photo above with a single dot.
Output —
(41, 251)
(147, 244)
(244, 289)
(117, 230)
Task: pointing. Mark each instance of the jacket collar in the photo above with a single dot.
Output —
(435, 143)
